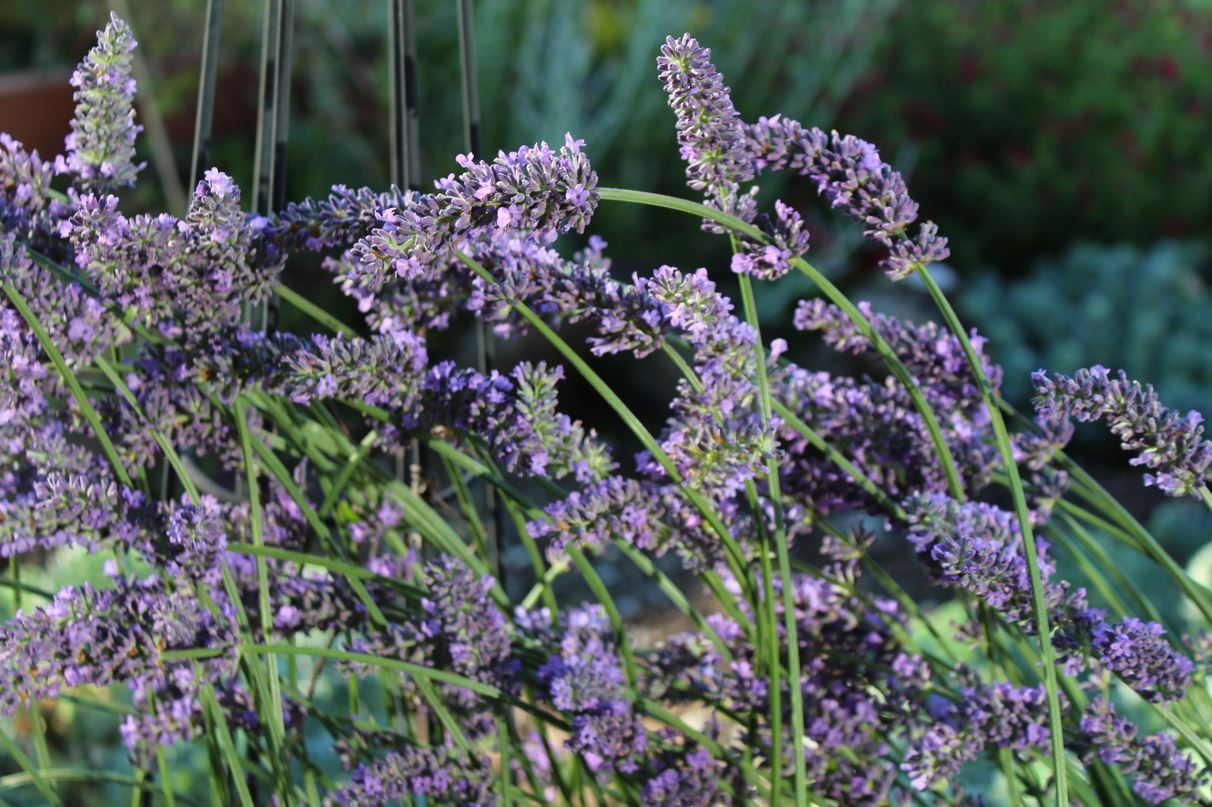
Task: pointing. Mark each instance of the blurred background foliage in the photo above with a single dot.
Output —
(1061, 146)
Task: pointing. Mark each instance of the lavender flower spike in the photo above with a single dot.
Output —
(535, 188)
(101, 146)
(850, 175)
(1170, 445)
(1160, 770)
(710, 132)
(714, 145)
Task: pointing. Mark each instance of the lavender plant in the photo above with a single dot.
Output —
(261, 549)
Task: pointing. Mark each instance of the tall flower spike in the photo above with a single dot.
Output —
(710, 133)
(442, 776)
(713, 143)
(716, 438)
(92, 636)
(101, 146)
(975, 546)
(1170, 445)
(338, 221)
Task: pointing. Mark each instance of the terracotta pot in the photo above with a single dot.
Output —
(36, 107)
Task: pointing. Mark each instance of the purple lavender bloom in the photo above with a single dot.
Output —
(714, 144)
(716, 438)
(75, 321)
(609, 736)
(534, 188)
(1136, 651)
(343, 218)
(840, 707)
(934, 355)
(516, 416)
(92, 636)
(691, 779)
(61, 509)
(849, 174)
(710, 132)
(994, 716)
(173, 403)
(25, 179)
(187, 278)
(1159, 769)
(591, 516)
(560, 446)
(197, 540)
(381, 371)
(877, 424)
(1170, 445)
(976, 547)
(624, 316)
(586, 679)
(101, 146)
(23, 394)
(460, 625)
(788, 240)
(442, 776)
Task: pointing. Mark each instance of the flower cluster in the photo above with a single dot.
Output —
(186, 278)
(98, 636)
(101, 146)
(849, 174)
(441, 776)
(246, 476)
(977, 547)
(535, 188)
(1169, 444)
(25, 179)
(1159, 769)
(715, 146)
(586, 680)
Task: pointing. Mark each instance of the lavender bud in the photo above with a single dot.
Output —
(1169, 444)
(101, 146)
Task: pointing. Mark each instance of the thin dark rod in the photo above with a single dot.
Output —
(207, 79)
(412, 102)
(404, 127)
(277, 166)
(267, 100)
(486, 358)
(273, 115)
(471, 93)
(405, 110)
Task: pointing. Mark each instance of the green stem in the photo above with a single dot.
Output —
(1039, 602)
(31, 770)
(734, 554)
(73, 384)
(784, 561)
(835, 295)
(277, 723)
(415, 670)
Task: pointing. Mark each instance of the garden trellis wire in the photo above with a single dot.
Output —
(403, 122)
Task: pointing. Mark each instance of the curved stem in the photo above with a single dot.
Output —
(790, 627)
(835, 296)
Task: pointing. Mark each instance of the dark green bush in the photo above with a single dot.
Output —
(1044, 122)
(1147, 311)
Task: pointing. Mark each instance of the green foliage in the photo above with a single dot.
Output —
(1042, 122)
(1147, 311)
